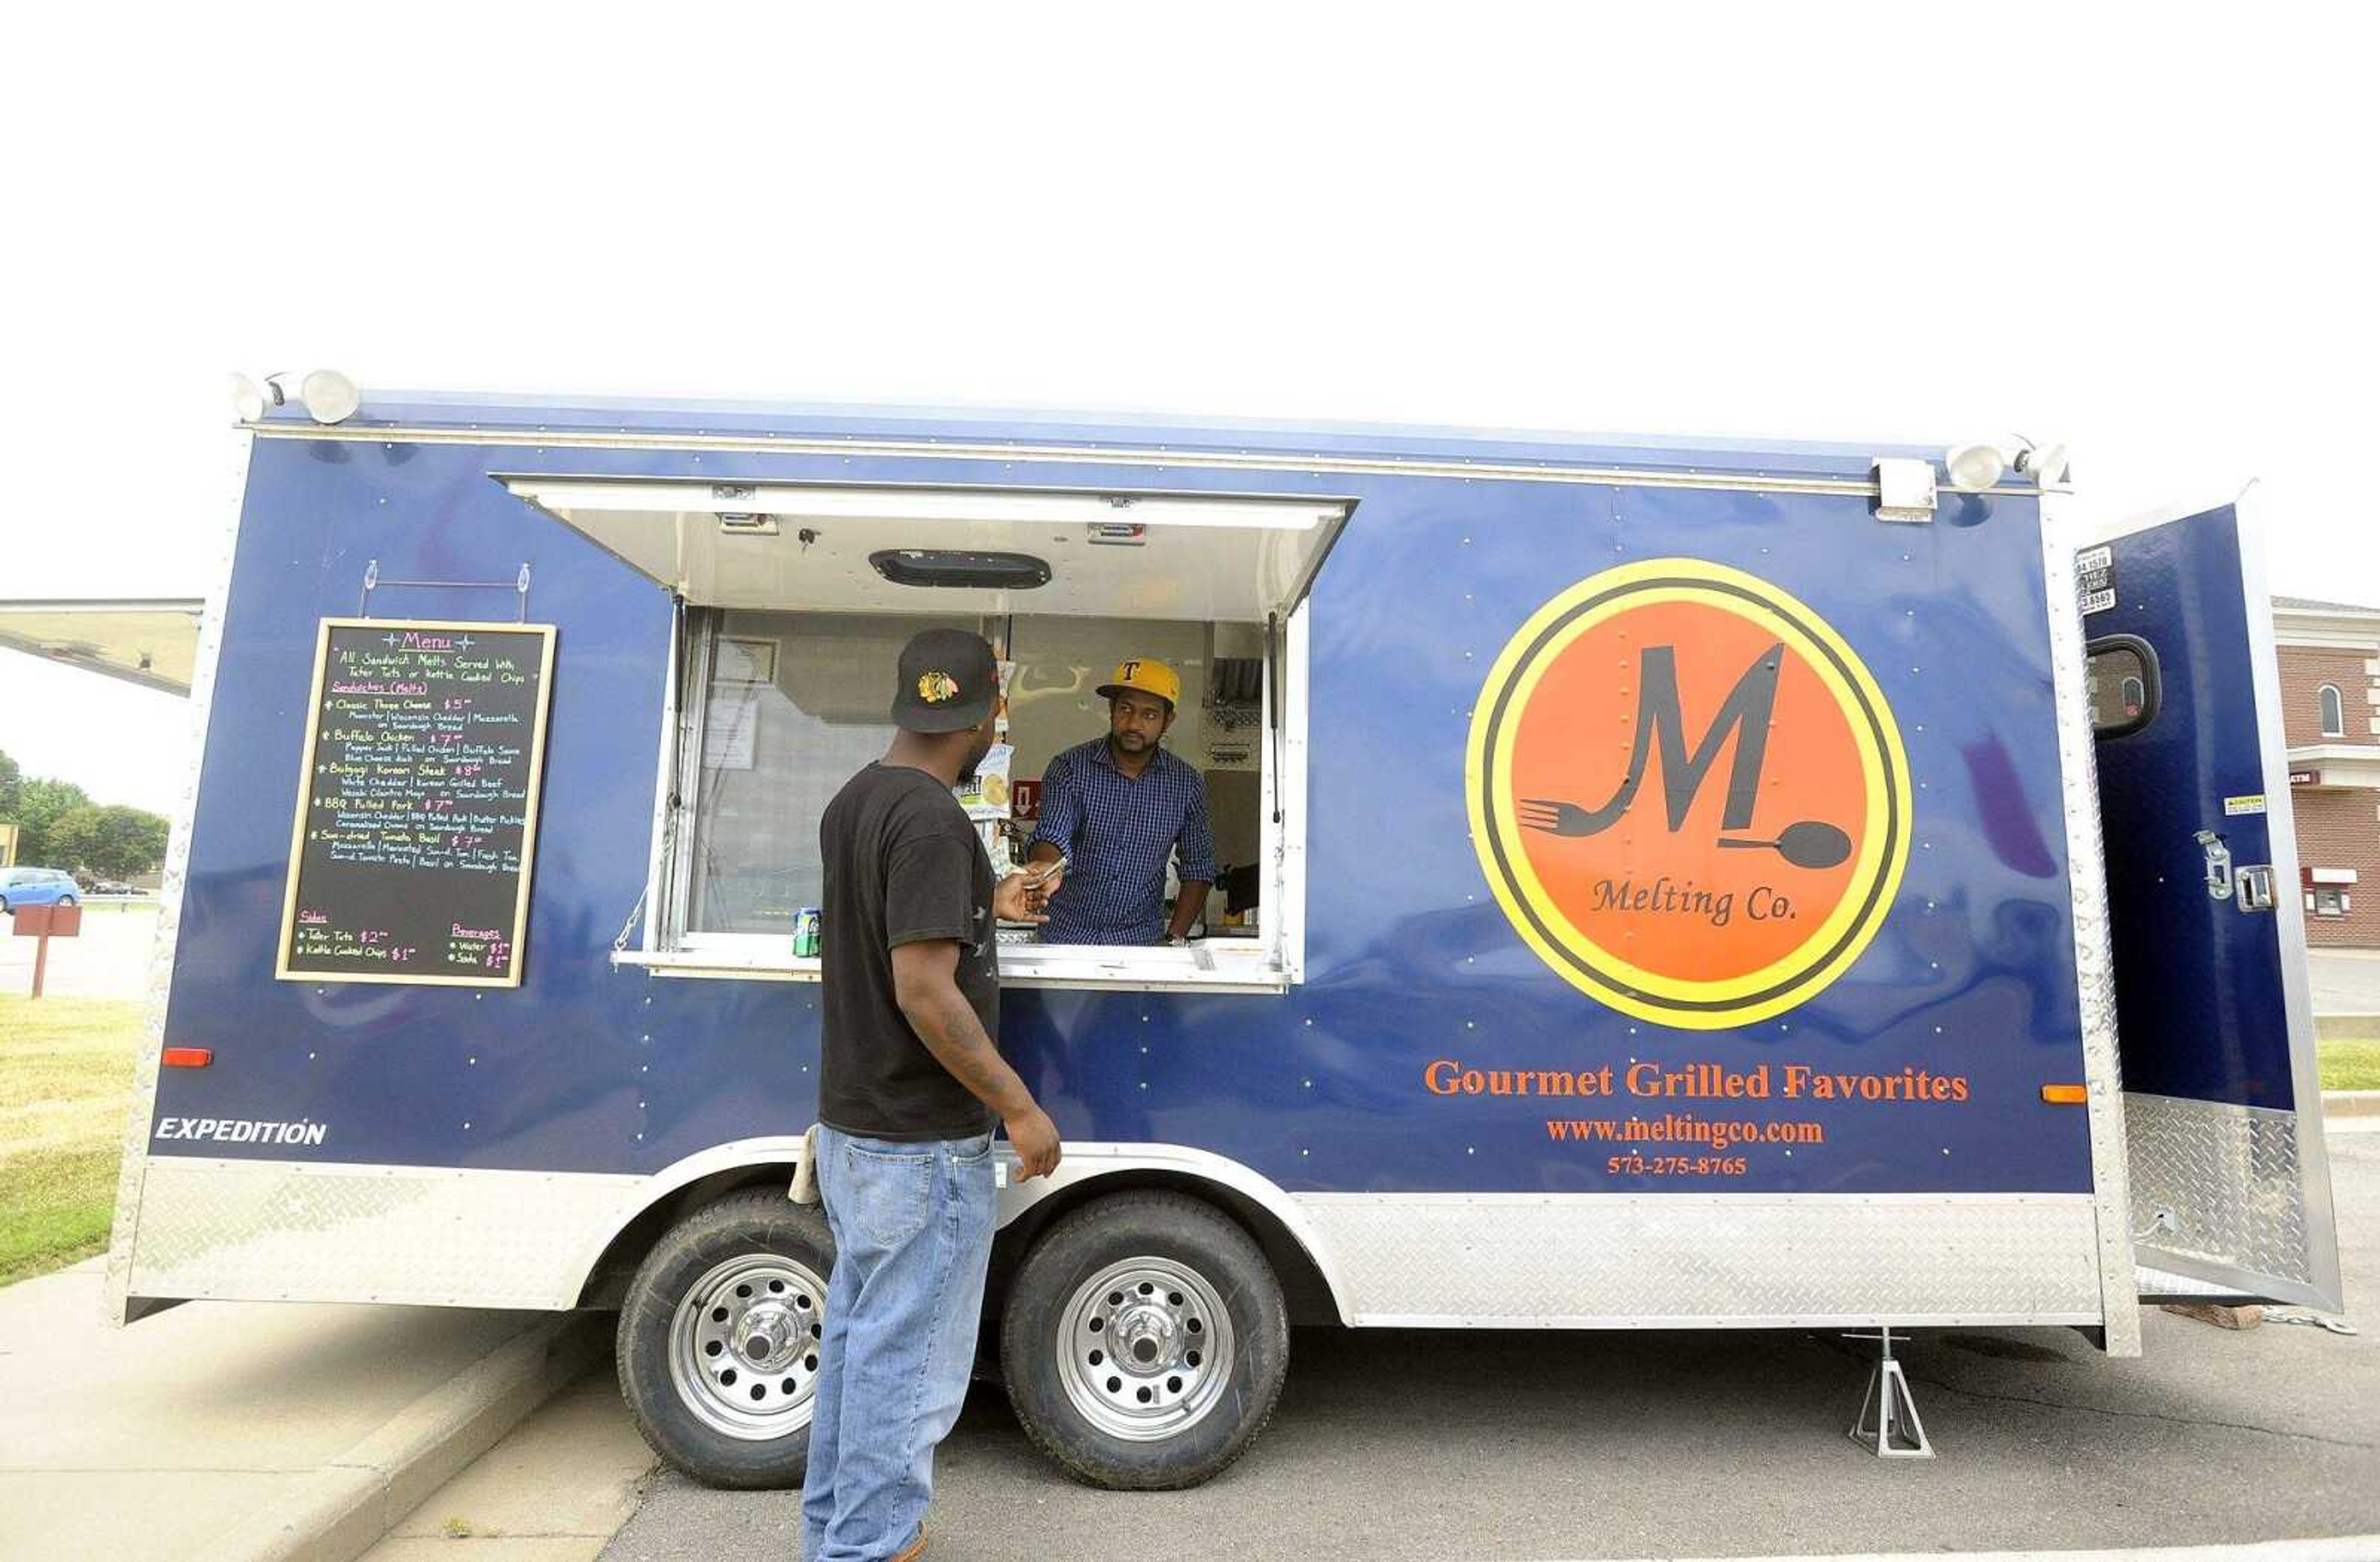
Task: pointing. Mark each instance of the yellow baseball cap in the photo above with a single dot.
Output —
(1145, 677)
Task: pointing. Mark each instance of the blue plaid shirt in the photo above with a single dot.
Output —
(1120, 832)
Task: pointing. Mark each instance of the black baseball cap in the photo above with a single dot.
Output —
(948, 682)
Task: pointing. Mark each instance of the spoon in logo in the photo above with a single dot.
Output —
(1810, 844)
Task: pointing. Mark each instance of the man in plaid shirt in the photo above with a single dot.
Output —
(1120, 806)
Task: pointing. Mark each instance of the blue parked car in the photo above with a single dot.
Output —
(37, 887)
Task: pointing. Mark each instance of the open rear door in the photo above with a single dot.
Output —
(2230, 1186)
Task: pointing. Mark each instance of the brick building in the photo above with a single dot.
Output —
(2330, 654)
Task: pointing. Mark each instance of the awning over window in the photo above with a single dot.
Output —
(2336, 766)
(882, 550)
(153, 642)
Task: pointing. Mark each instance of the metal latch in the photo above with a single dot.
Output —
(2255, 888)
(2218, 866)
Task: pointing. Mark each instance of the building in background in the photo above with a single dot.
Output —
(2330, 699)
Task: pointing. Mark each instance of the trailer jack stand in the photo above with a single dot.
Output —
(1888, 1416)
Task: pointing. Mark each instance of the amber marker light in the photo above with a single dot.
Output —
(188, 1057)
(2066, 1095)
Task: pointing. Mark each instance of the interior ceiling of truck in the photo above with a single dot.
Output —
(153, 642)
(851, 550)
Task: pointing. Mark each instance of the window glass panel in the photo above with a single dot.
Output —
(2118, 680)
(797, 702)
(2333, 715)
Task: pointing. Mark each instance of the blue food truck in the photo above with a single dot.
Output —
(1661, 885)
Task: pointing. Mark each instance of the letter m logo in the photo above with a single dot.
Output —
(1660, 719)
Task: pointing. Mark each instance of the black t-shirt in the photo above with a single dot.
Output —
(903, 866)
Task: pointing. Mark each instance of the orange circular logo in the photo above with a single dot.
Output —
(1688, 794)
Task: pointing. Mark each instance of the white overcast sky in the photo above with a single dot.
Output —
(2148, 234)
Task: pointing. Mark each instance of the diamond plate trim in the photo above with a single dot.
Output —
(2095, 962)
(2229, 1179)
(1589, 1261)
(131, 1177)
(295, 1231)
(2156, 1285)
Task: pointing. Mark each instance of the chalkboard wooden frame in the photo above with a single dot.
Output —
(532, 802)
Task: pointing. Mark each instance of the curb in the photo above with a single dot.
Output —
(360, 1495)
(2351, 1103)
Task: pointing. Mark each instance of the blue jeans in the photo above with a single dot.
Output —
(913, 1225)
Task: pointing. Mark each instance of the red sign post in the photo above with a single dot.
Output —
(46, 922)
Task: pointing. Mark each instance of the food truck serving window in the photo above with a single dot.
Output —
(796, 603)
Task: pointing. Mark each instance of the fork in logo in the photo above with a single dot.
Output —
(1556, 818)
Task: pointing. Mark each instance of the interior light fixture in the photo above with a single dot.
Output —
(960, 568)
(1973, 469)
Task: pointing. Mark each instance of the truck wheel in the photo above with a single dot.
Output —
(719, 1340)
(1145, 1342)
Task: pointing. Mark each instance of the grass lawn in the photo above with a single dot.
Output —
(2351, 1064)
(65, 1066)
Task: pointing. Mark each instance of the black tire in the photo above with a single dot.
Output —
(777, 1239)
(1035, 1330)
(65, 900)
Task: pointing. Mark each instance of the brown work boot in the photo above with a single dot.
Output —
(916, 1548)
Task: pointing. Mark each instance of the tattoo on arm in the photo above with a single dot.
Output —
(932, 1002)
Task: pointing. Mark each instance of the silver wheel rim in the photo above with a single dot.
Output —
(744, 1346)
(1144, 1350)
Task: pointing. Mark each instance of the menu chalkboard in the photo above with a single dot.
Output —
(417, 809)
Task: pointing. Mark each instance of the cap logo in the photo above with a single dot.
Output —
(1688, 794)
(936, 688)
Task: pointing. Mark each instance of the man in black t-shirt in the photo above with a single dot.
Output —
(910, 1085)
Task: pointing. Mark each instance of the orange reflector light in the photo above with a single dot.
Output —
(2066, 1095)
(188, 1057)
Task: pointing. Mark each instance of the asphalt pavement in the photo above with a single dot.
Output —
(2345, 980)
(1409, 1442)
(108, 959)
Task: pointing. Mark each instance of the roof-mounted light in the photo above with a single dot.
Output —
(1973, 469)
(328, 396)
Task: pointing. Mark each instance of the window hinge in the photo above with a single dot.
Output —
(1904, 489)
